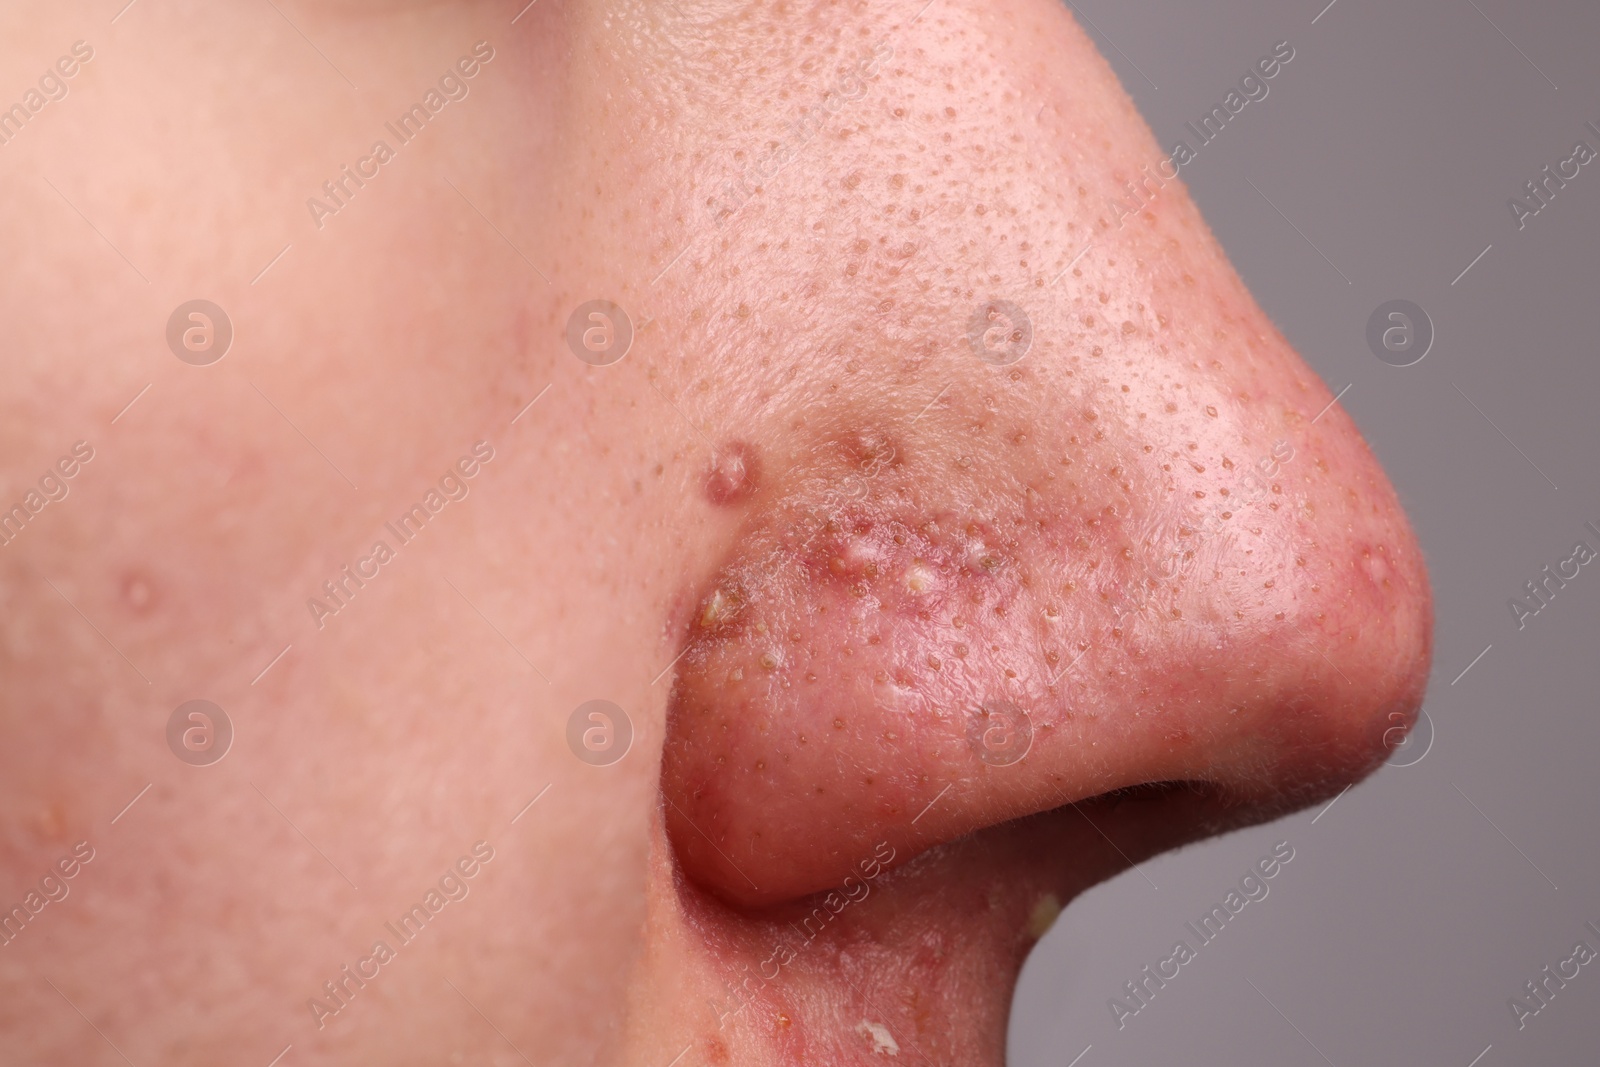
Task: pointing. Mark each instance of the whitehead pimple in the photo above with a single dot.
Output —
(734, 474)
(1046, 910)
(718, 609)
(879, 1037)
(919, 578)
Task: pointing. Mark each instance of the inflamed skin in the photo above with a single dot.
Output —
(919, 636)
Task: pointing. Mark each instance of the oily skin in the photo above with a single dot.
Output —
(800, 391)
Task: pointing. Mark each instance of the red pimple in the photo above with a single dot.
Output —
(138, 592)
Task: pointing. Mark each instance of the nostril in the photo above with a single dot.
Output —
(1115, 798)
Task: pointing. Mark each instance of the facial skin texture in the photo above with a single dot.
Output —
(801, 533)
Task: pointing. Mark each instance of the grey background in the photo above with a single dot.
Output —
(1408, 917)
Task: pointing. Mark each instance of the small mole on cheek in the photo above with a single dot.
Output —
(734, 474)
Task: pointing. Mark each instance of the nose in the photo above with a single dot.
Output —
(1192, 570)
(1047, 509)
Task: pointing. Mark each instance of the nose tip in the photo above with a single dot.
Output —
(1352, 632)
(897, 667)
